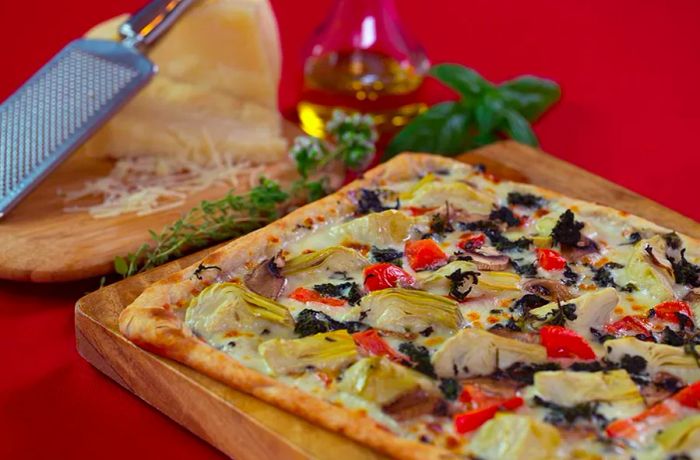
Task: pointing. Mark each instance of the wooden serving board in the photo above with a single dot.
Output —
(40, 242)
(245, 428)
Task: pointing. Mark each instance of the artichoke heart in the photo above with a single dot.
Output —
(659, 357)
(331, 259)
(458, 194)
(591, 310)
(569, 388)
(437, 280)
(407, 310)
(377, 379)
(499, 281)
(515, 437)
(408, 193)
(226, 308)
(682, 436)
(650, 271)
(473, 352)
(379, 229)
(325, 351)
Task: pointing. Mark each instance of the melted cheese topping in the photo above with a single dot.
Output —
(490, 304)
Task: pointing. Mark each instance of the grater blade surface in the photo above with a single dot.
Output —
(60, 107)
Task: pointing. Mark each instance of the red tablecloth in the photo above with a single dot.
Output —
(630, 112)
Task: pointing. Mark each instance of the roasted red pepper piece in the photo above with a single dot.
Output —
(689, 396)
(561, 342)
(424, 254)
(550, 260)
(658, 414)
(416, 211)
(385, 275)
(471, 241)
(307, 295)
(473, 419)
(373, 344)
(668, 311)
(629, 325)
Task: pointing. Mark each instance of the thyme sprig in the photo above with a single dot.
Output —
(351, 141)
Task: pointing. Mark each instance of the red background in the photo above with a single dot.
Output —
(629, 72)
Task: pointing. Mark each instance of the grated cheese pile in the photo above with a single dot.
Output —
(149, 184)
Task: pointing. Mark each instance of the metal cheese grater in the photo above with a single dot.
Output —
(59, 107)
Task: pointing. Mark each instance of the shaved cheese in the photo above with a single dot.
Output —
(149, 184)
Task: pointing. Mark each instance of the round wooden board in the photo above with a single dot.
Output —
(40, 242)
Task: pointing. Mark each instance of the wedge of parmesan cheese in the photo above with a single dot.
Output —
(215, 92)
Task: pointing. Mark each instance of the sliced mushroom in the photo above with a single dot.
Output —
(488, 260)
(551, 290)
(584, 247)
(656, 252)
(266, 279)
(413, 404)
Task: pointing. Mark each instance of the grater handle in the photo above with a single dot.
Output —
(150, 22)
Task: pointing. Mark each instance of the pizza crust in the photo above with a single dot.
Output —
(154, 321)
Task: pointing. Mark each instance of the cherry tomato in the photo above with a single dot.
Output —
(307, 295)
(561, 342)
(471, 241)
(629, 325)
(385, 275)
(373, 344)
(689, 396)
(549, 259)
(424, 254)
(666, 311)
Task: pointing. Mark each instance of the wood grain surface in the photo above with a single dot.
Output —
(245, 428)
(40, 242)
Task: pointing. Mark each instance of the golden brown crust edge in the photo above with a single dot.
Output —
(151, 323)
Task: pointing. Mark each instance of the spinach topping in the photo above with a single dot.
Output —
(524, 270)
(201, 267)
(510, 324)
(567, 231)
(673, 240)
(525, 373)
(567, 416)
(440, 223)
(371, 201)
(349, 291)
(458, 279)
(583, 366)
(523, 305)
(419, 356)
(494, 235)
(450, 388)
(602, 277)
(633, 364)
(685, 272)
(310, 322)
(505, 215)
(600, 336)
(527, 200)
(389, 255)
(634, 238)
(671, 337)
(570, 276)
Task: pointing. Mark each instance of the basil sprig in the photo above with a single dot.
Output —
(484, 113)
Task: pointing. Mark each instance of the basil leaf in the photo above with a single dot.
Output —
(465, 81)
(441, 129)
(489, 113)
(518, 128)
(530, 96)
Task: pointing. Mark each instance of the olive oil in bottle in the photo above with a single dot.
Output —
(361, 60)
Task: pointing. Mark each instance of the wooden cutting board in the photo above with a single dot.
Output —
(40, 242)
(246, 428)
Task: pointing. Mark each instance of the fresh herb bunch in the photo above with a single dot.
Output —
(352, 142)
(484, 113)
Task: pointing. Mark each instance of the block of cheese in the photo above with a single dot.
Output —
(215, 92)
